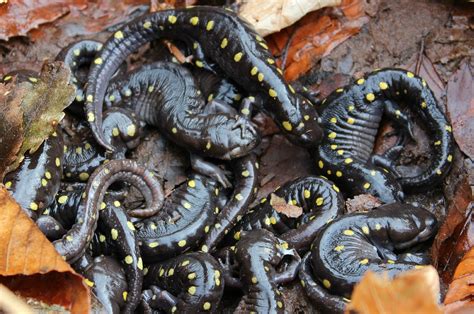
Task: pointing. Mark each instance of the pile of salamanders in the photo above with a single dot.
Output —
(178, 253)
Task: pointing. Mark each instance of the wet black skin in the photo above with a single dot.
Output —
(74, 242)
(319, 296)
(245, 187)
(259, 254)
(355, 243)
(109, 282)
(351, 117)
(222, 38)
(189, 283)
(37, 180)
(117, 231)
(165, 95)
(181, 224)
(321, 203)
(80, 160)
(78, 57)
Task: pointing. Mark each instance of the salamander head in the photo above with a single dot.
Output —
(303, 127)
(230, 137)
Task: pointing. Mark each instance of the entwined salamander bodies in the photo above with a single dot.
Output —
(224, 39)
(74, 242)
(80, 160)
(78, 57)
(259, 254)
(245, 188)
(35, 183)
(321, 203)
(189, 283)
(165, 95)
(116, 229)
(353, 244)
(183, 221)
(351, 120)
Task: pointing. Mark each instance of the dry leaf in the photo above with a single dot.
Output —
(461, 107)
(413, 292)
(42, 105)
(271, 16)
(282, 207)
(30, 266)
(11, 128)
(461, 290)
(362, 203)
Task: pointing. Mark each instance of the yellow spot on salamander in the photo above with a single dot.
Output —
(69, 238)
(57, 162)
(378, 227)
(279, 304)
(410, 75)
(383, 85)
(332, 135)
(333, 120)
(366, 185)
(390, 261)
(128, 259)
(448, 128)
(326, 283)
(364, 261)
(224, 43)
(270, 61)
(172, 19)
(333, 146)
(321, 164)
(307, 194)
(438, 172)
(117, 204)
(182, 243)
(370, 97)
(89, 98)
(174, 130)
(130, 226)
(194, 20)
(350, 120)
(115, 132)
(319, 201)
(192, 290)
(192, 183)
(118, 35)
(348, 232)
(76, 52)
(260, 77)
(210, 25)
(339, 248)
(153, 244)
(199, 63)
(360, 81)
(147, 25)
(33, 79)
(62, 199)
(44, 182)
(90, 117)
(89, 282)
(124, 295)
(204, 248)
(208, 145)
(239, 197)
(245, 173)
(272, 92)
(254, 71)
(254, 280)
(287, 125)
(131, 130)
(365, 230)
(348, 160)
(186, 205)
(191, 276)
(206, 306)
(114, 233)
(437, 143)
(170, 272)
(83, 176)
(423, 105)
(98, 61)
(335, 188)
(450, 158)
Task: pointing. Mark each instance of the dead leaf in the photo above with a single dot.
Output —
(428, 72)
(455, 236)
(10, 303)
(461, 107)
(42, 105)
(461, 290)
(302, 45)
(29, 264)
(282, 207)
(415, 291)
(361, 203)
(17, 17)
(11, 127)
(271, 16)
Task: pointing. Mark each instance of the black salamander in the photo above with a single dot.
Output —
(259, 254)
(185, 218)
(225, 40)
(245, 188)
(74, 242)
(355, 243)
(37, 180)
(80, 160)
(165, 95)
(351, 117)
(189, 283)
(321, 203)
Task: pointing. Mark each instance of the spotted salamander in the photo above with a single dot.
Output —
(21, 76)
(182, 222)
(189, 283)
(74, 242)
(37, 180)
(78, 57)
(107, 279)
(219, 36)
(165, 95)
(321, 203)
(80, 160)
(355, 243)
(260, 254)
(351, 117)
(116, 229)
(245, 188)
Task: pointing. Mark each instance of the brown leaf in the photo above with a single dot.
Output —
(42, 105)
(11, 128)
(428, 72)
(415, 291)
(361, 203)
(461, 107)
(454, 237)
(315, 35)
(282, 207)
(17, 17)
(461, 290)
(30, 266)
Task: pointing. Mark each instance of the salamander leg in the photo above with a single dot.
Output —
(155, 298)
(211, 170)
(394, 113)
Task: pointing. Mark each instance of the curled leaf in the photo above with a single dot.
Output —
(461, 290)
(29, 264)
(42, 104)
(282, 207)
(415, 291)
